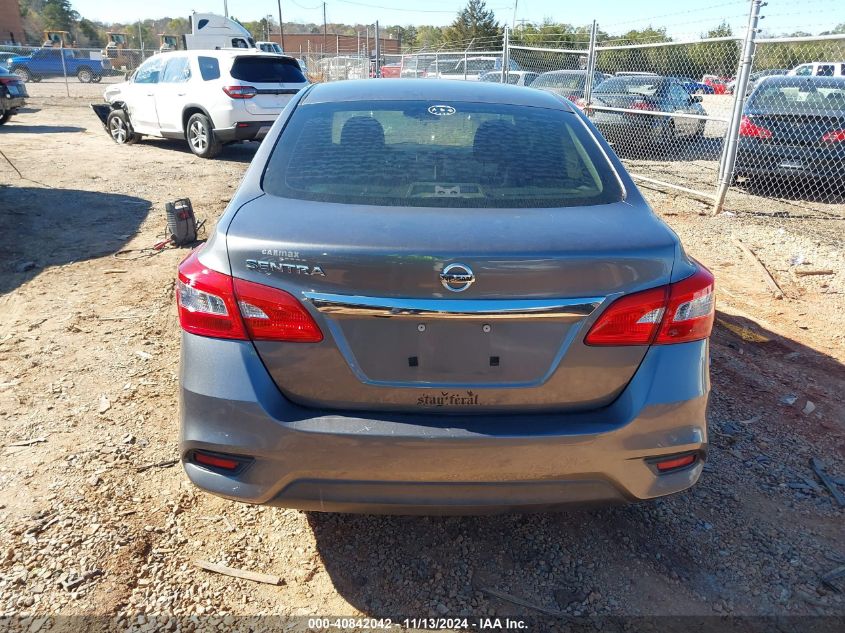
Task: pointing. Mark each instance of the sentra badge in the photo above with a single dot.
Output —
(268, 267)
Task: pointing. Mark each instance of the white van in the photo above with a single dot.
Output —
(210, 31)
(819, 69)
(269, 47)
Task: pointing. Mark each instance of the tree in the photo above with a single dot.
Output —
(723, 30)
(89, 32)
(58, 15)
(474, 22)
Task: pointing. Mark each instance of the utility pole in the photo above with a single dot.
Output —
(225, 8)
(515, 5)
(378, 52)
(325, 32)
(281, 28)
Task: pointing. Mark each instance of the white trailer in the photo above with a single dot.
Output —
(210, 31)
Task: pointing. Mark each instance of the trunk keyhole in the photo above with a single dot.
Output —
(494, 361)
(413, 361)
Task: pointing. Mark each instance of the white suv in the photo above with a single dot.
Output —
(819, 69)
(209, 98)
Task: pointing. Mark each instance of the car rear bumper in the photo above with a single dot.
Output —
(12, 103)
(755, 158)
(409, 463)
(244, 131)
(631, 130)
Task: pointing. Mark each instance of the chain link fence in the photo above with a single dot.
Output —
(790, 146)
(740, 122)
(72, 67)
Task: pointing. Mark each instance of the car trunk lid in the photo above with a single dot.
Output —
(799, 130)
(396, 338)
(275, 78)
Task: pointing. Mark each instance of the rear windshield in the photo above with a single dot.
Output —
(647, 86)
(571, 81)
(800, 96)
(435, 154)
(266, 70)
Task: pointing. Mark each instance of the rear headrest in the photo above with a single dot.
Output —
(362, 130)
(494, 139)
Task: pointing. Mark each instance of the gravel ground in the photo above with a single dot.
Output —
(95, 520)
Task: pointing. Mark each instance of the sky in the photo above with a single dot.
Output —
(614, 16)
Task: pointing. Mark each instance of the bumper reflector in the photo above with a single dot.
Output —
(216, 461)
(675, 463)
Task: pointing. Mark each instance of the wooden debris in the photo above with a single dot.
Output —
(126, 317)
(813, 271)
(830, 576)
(523, 603)
(114, 271)
(29, 442)
(165, 464)
(238, 573)
(818, 468)
(777, 291)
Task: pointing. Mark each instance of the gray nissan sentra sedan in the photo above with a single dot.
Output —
(441, 297)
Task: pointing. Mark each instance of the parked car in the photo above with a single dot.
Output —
(695, 87)
(819, 69)
(664, 96)
(567, 83)
(793, 127)
(441, 297)
(719, 85)
(416, 66)
(515, 77)
(208, 98)
(755, 78)
(5, 57)
(470, 68)
(12, 94)
(345, 67)
(391, 71)
(47, 62)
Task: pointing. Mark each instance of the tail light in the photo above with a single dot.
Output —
(271, 314)
(676, 313)
(834, 136)
(216, 305)
(750, 129)
(206, 301)
(240, 92)
(643, 105)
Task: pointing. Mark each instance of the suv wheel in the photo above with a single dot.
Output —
(23, 74)
(85, 75)
(5, 115)
(120, 129)
(201, 138)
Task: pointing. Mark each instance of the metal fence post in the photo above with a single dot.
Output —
(591, 66)
(726, 168)
(506, 55)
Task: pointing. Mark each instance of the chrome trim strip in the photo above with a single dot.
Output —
(358, 306)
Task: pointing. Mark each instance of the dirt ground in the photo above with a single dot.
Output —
(96, 520)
